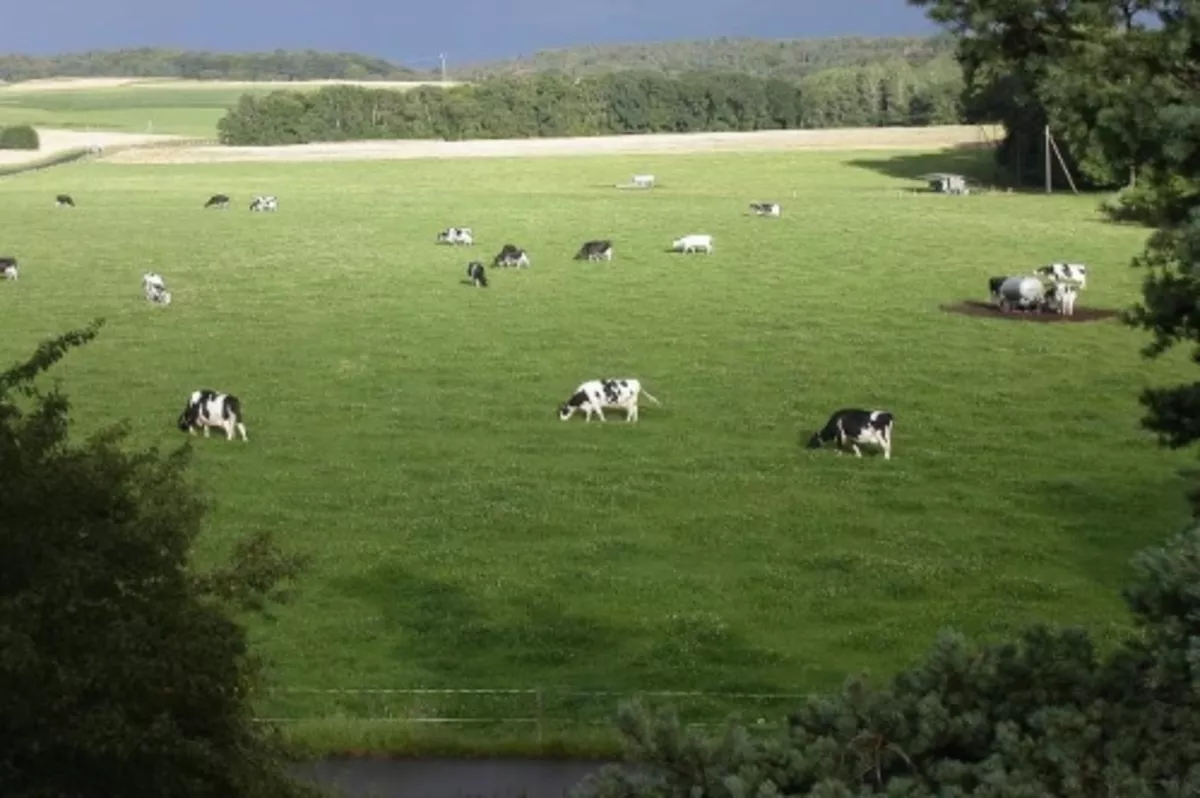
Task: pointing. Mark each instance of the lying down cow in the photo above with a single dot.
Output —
(595, 396)
(207, 408)
(853, 428)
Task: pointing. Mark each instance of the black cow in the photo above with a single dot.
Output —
(477, 274)
(64, 201)
(217, 201)
(595, 250)
(853, 428)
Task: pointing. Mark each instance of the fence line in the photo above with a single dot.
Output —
(530, 709)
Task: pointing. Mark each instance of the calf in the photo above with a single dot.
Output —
(596, 395)
(220, 201)
(265, 203)
(1073, 272)
(765, 208)
(1062, 298)
(456, 235)
(8, 268)
(64, 201)
(477, 274)
(511, 255)
(207, 408)
(155, 289)
(694, 243)
(595, 250)
(855, 428)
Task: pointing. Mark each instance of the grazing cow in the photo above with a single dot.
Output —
(596, 395)
(1021, 293)
(264, 203)
(220, 201)
(765, 208)
(8, 268)
(595, 250)
(456, 235)
(477, 274)
(1073, 272)
(855, 428)
(64, 201)
(511, 255)
(207, 408)
(155, 289)
(694, 243)
(643, 181)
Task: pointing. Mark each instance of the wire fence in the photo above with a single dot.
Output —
(541, 709)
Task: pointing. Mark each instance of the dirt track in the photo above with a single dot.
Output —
(665, 143)
(134, 148)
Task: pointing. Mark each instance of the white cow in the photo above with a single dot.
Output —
(456, 235)
(1074, 272)
(766, 208)
(155, 289)
(643, 181)
(693, 243)
(207, 408)
(596, 395)
(265, 203)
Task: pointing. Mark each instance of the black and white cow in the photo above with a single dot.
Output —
(207, 408)
(64, 201)
(220, 201)
(155, 289)
(595, 250)
(264, 203)
(1069, 272)
(477, 273)
(854, 428)
(8, 267)
(596, 395)
(511, 255)
(456, 235)
(765, 208)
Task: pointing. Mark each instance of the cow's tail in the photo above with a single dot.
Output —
(649, 396)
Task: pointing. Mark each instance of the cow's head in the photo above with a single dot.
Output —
(815, 441)
(187, 419)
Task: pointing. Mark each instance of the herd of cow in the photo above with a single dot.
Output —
(848, 428)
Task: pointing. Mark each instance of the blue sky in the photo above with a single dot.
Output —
(415, 32)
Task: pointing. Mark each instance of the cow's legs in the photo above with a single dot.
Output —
(631, 413)
(241, 428)
(600, 413)
(206, 428)
(857, 451)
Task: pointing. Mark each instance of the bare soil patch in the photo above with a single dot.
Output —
(971, 307)
(929, 138)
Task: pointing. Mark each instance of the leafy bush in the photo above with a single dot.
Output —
(21, 137)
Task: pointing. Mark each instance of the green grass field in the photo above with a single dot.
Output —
(403, 430)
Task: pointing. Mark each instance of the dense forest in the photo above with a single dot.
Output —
(198, 65)
(549, 104)
(790, 59)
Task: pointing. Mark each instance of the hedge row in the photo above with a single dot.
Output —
(20, 137)
(555, 105)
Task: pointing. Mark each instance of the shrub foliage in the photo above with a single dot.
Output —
(20, 137)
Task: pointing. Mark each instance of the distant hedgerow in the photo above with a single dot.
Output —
(20, 137)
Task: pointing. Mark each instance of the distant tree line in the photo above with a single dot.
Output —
(622, 102)
(199, 65)
(790, 59)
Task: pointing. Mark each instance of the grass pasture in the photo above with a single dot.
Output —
(177, 107)
(403, 431)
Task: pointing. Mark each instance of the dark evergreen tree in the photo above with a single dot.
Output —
(122, 671)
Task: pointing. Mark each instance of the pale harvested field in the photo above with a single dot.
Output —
(55, 141)
(663, 143)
